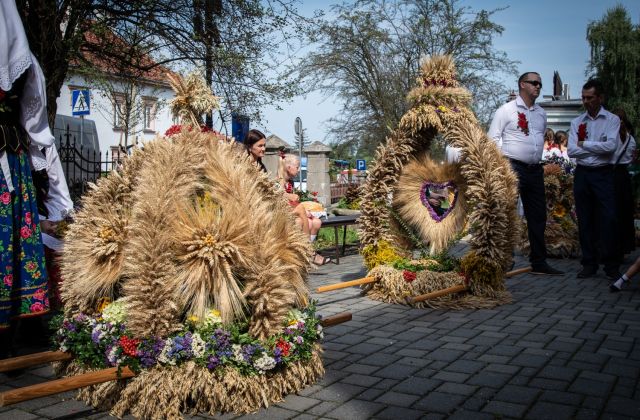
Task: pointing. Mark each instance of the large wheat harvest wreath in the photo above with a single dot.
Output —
(411, 202)
(186, 267)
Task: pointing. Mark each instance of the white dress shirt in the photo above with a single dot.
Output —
(603, 137)
(512, 141)
(58, 201)
(625, 155)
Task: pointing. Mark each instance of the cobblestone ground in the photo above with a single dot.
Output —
(565, 348)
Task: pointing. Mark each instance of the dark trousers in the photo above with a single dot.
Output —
(531, 189)
(593, 189)
(626, 238)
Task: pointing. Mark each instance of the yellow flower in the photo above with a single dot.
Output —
(102, 303)
(443, 108)
(559, 211)
(193, 319)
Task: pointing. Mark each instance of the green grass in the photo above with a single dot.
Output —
(326, 237)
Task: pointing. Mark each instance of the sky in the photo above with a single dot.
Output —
(543, 35)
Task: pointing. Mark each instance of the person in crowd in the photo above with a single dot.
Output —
(593, 138)
(26, 143)
(550, 148)
(256, 145)
(561, 140)
(287, 170)
(518, 128)
(621, 159)
(616, 286)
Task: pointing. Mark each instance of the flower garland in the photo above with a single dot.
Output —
(582, 132)
(523, 124)
(101, 341)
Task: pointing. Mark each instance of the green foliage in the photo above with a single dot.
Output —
(615, 60)
(326, 237)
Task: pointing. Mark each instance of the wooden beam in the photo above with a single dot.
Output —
(62, 385)
(350, 283)
(34, 359)
(420, 298)
(517, 271)
(336, 319)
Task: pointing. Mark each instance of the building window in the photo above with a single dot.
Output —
(149, 106)
(119, 110)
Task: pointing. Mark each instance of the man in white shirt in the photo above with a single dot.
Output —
(593, 139)
(518, 128)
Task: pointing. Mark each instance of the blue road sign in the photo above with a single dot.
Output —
(239, 127)
(80, 102)
(361, 164)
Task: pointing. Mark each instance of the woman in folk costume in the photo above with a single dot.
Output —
(25, 143)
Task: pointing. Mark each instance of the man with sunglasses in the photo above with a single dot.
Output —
(593, 139)
(518, 128)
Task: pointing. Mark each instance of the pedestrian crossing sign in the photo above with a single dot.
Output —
(80, 102)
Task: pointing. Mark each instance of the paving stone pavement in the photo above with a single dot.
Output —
(565, 348)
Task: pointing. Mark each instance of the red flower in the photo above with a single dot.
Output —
(8, 280)
(174, 129)
(284, 347)
(129, 345)
(582, 132)
(5, 197)
(408, 276)
(40, 294)
(523, 124)
(25, 232)
(27, 217)
(37, 307)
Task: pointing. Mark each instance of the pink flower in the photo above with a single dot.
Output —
(8, 280)
(37, 307)
(40, 294)
(5, 197)
(31, 266)
(25, 232)
(27, 218)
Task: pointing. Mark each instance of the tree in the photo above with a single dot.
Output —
(369, 55)
(615, 60)
(238, 41)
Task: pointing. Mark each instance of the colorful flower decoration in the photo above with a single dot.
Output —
(102, 340)
(523, 124)
(442, 211)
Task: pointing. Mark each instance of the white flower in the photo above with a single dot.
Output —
(299, 339)
(212, 318)
(163, 357)
(319, 331)
(114, 312)
(264, 363)
(198, 346)
(237, 353)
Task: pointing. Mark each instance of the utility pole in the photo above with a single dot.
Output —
(300, 140)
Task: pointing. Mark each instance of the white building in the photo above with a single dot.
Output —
(148, 96)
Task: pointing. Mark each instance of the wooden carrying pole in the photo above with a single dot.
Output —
(62, 385)
(517, 271)
(420, 298)
(35, 359)
(336, 319)
(342, 285)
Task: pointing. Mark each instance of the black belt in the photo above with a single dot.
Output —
(600, 168)
(524, 164)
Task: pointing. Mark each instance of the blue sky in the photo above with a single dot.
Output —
(544, 35)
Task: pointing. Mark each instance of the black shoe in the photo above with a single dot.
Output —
(547, 270)
(587, 271)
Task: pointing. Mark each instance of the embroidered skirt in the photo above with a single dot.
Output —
(23, 277)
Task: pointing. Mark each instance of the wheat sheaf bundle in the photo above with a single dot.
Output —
(192, 98)
(439, 105)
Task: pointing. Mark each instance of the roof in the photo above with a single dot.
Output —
(275, 142)
(146, 69)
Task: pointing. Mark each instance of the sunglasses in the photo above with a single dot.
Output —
(533, 83)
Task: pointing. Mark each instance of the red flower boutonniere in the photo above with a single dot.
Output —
(523, 124)
(582, 132)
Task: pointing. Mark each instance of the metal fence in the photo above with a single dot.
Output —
(82, 165)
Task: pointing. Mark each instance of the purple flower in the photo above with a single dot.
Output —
(95, 336)
(149, 351)
(277, 355)
(213, 362)
(181, 348)
(299, 340)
